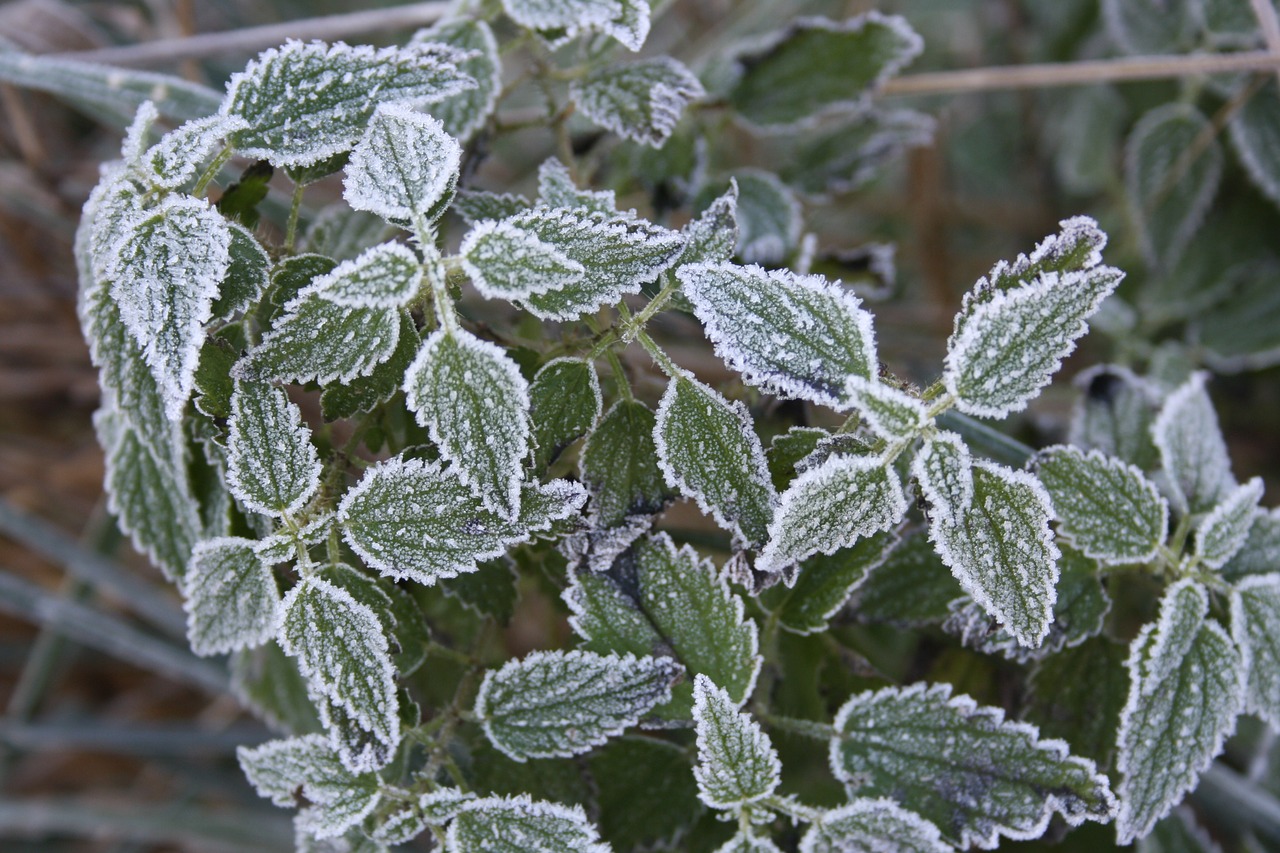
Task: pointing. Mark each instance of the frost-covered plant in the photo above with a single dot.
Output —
(352, 458)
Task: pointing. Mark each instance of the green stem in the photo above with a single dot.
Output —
(663, 360)
(210, 173)
(635, 326)
(620, 376)
(805, 728)
(291, 229)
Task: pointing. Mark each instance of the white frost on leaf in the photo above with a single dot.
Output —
(791, 335)
(506, 262)
(770, 217)
(135, 135)
(180, 153)
(890, 412)
(522, 825)
(1255, 627)
(556, 188)
(1224, 530)
(466, 112)
(944, 469)
(642, 101)
(232, 601)
(403, 167)
(1192, 449)
(166, 271)
(340, 798)
(272, 466)
(624, 20)
(737, 763)
(384, 276)
(877, 825)
(713, 236)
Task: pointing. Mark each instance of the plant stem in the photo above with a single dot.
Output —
(620, 376)
(805, 728)
(210, 173)
(637, 324)
(663, 360)
(295, 207)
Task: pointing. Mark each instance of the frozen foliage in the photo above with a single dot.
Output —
(815, 65)
(165, 274)
(477, 205)
(475, 403)
(417, 519)
(619, 466)
(232, 601)
(384, 276)
(563, 703)
(709, 451)
(1255, 627)
(713, 235)
(737, 764)
(340, 798)
(641, 101)
(343, 653)
(1187, 683)
(944, 468)
(769, 217)
(824, 584)
(795, 336)
(831, 506)
(745, 842)
(891, 413)
(248, 274)
(564, 404)
(177, 158)
(303, 103)
(625, 20)
(873, 826)
(975, 775)
(466, 112)
(1255, 134)
(506, 262)
(1108, 508)
(1114, 415)
(1223, 531)
(404, 168)
(272, 466)
(1192, 450)
(522, 825)
(1260, 553)
(556, 188)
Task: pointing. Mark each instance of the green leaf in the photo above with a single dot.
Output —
(708, 450)
(490, 591)
(867, 824)
(745, 842)
(165, 276)
(1187, 684)
(644, 791)
(713, 236)
(416, 519)
(266, 681)
(1106, 507)
(768, 215)
(232, 601)
(342, 651)
(961, 766)
(848, 155)
(248, 274)
(737, 763)
(791, 335)
(1114, 415)
(1260, 553)
(831, 506)
(564, 404)
(1255, 133)
(475, 205)
(239, 202)
(558, 704)
(891, 413)
(1224, 530)
(619, 465)
(522, 825)
(404, 168)
(825, 583)
(340, 232)
(625, 20)
(816, 65)
(1172, 170)
(1077, 695)
(1149, 27)
(340, 798)
(1192, 449)
(641, 101)
(471, 397)
(911, 587)
(364, 393)
(272, 466)
(1255, 627)
(302, 103)
(177, 158)
(465, 113)
(507, 262)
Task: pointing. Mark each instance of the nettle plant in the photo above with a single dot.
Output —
(359, 562)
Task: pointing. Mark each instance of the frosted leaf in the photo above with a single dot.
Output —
(1108, 508)
(1255, 134)
(1000, 546)
(1169, 193)
(618, 253)
(848, 155)
(564, 404)
(137, 133)
(891, 413)
(114, 204)
(619, 465)
(963, 767)
(944, 468)
(642, 101)
(713, 236)
(791, 335)
(743, 842)
(874, 826)
(180, 154)
(404, 168)
(340, 798)
(267, 683)
(443, 804)
(384, 276)
(471, 397)
(365, 393)
(281, 547)
(558, 704)
(1260, 553)
(1187, 684)
(476, 205)
(1114, 415)
(343, 653)
(912, 587)
(506, 262)
(166, 273)
(737, 763)
(1224, 530)
(466, 112)
(1076, 695)
(1255, 627)
(248, 274)
(399, 826)
(337, 231)
(624, 20)
(607, 618)
(557, 189)
(522, 825)
(816, 65)
(596, 549)
(1192, 450)
(832, 506)
(416, 519)
(272, 466)
(232, 601)
(769, 217)
(708, 450)
(306, 102)
(824, 584)
(317, 340)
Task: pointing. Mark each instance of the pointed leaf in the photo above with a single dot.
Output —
(563, 703)
(472, 398)
(642, 101)
(608, 619)
(1260, 553)
(341, 798)
(944, 468)
(713, 236)
(465, 113)
(248, 274)
(625, 20)
(769, 217)
(521, 825)
(1255, 133)
(556, 188)
(873, 825)
(1077, 695)
(1224, 531)
(564, 404)
(963, 767)
(272, 466)
(891, 413)
(737, 763)
(708, 449)
(322, 341)
(825, 583)
(232, 601)
(364, 393)
(1192, 450)
(795, 336)
(507, 262)
(179, 155)
(404, 166)
(912, 586)
(619, 465)
(1255, 627)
